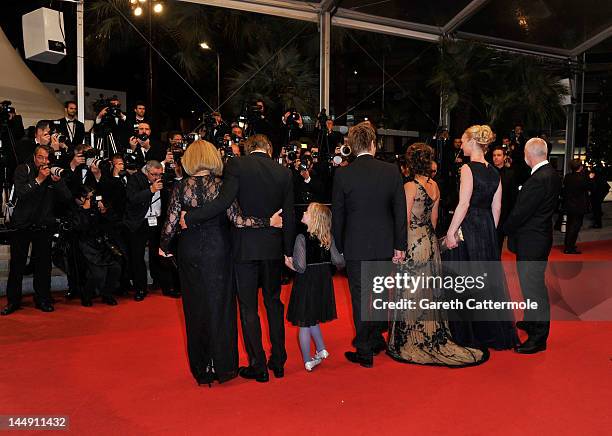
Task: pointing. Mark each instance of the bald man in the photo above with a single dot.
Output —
(530, 233)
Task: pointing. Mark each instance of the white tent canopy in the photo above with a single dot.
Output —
(20, 85)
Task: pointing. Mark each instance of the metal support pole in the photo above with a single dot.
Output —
(324, 59)
(80, 62)
(150, 81)
(218, 80)
(570, 127)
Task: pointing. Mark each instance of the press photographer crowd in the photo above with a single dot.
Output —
(92, 209)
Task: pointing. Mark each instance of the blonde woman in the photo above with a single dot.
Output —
(312, 296)
(204, 263)
(477, 214)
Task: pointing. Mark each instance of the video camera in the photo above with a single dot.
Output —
(113, 110)
(5, 111)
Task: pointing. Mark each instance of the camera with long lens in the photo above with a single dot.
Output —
(292, 119)
(5, 111)
(59, 172)
(55, 130)
(305, 163)
(342, 153)
(131, 161)
(291, 151)
(109, 245)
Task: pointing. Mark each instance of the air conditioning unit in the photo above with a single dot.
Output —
(43, 36)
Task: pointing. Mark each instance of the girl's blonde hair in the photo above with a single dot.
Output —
(320, 224)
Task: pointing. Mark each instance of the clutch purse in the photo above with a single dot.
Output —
(442, 241)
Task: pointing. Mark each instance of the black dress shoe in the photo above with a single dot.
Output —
(140, 295)
(572, 251)
(86, 302)
(530, 347)
(107, 299)
(365, 361)
(250, 374)
(172, 293)
(44, 306)
(10, 308)
(278, 372)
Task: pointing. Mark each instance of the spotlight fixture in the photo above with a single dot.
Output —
(204, 46)
(158, 8)
(138, 11)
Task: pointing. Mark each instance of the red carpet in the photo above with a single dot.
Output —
(123, 370)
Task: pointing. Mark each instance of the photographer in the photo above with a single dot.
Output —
(101, 255)
(11, 132)
(307, 185)
(42, 136)
(143, 147)
(146, 204)
(328, 139)
(291, 126)
(37, 193)
(60, 156)
(111, 121)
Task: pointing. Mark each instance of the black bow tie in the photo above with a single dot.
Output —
(70, 121)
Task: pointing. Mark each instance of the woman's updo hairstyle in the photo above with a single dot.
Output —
(418, 160)
(483, 135)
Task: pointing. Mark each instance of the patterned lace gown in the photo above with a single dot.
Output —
(422, 336)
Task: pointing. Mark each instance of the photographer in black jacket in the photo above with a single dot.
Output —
(101, 255)
(37, 192)
(146, 205)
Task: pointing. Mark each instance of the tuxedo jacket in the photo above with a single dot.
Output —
(369, 210)
(575, 193)
(530, 226)
(139, 197)
(79, 132)
(262, 187)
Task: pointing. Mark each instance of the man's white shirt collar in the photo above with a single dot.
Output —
(538, 166)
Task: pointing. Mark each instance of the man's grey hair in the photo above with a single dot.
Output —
(537, 148)
(152, 164)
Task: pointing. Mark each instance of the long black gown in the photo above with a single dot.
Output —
(203, 256)
(492, 329)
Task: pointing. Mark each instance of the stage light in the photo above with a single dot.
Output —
(205, 46)
(138, 11)
(158, 8)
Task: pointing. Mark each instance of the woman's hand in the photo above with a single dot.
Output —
(451, 241)
(162, 254)
(289, 263)
(276, 220)
(182, 222)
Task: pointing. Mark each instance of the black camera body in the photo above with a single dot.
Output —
(113, 110)
(5, 110)
(293, 119)
(306, 163)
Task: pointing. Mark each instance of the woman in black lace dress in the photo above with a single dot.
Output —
(421, 336)
(204, 263)
(477, 214)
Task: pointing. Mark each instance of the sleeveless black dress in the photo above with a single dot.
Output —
(492, 329)
(312, 298)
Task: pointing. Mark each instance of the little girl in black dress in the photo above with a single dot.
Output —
(312, 296)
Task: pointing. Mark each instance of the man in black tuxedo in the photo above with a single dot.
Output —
(369, 224)
(38, 194)
(69, 126)
(144, 215)
(262, 187)
(509, 190)
(576, 187)
(530, 234)
(137, 116)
